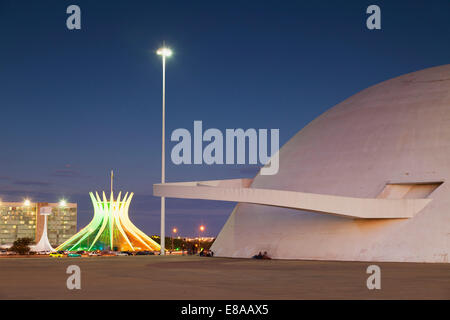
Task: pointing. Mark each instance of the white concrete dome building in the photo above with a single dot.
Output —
(388, 144)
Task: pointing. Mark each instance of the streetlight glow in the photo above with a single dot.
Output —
(202, 228)
(62, 203)
(174, 230)
(27, 202)
(166, 52)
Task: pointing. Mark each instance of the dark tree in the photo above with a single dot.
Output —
(21, 245)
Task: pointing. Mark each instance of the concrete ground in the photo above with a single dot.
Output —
(189, 277)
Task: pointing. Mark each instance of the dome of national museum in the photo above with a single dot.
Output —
(398, 130)
(391, 140)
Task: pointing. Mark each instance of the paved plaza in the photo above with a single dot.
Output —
(193, 277)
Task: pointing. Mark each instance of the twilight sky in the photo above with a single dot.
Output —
(76, 104)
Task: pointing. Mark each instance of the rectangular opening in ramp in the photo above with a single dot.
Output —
(408, 190)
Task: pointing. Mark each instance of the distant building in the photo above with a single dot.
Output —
(22, 219)
(202, 239)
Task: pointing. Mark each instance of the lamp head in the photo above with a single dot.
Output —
(165, 52)
(45, 211)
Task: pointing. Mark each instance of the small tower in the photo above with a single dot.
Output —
(44, 245)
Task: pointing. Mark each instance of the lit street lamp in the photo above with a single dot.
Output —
(202, 228)
(174, 232)
(62, 203)
(164, 52)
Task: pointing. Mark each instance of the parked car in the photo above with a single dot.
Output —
(73, 255)
(94, 254)
(107, 253)
(121, 254)
(3, 252)
(56, 255)
(145, 253)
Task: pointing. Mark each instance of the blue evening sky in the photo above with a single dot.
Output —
(77, 103)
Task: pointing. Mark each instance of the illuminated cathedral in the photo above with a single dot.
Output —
(110, 228)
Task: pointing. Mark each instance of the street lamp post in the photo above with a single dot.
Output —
(202, 228)
(62, 206)
(174, 231)
(164, 52)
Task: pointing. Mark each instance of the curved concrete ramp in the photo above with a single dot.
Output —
(238, 190)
